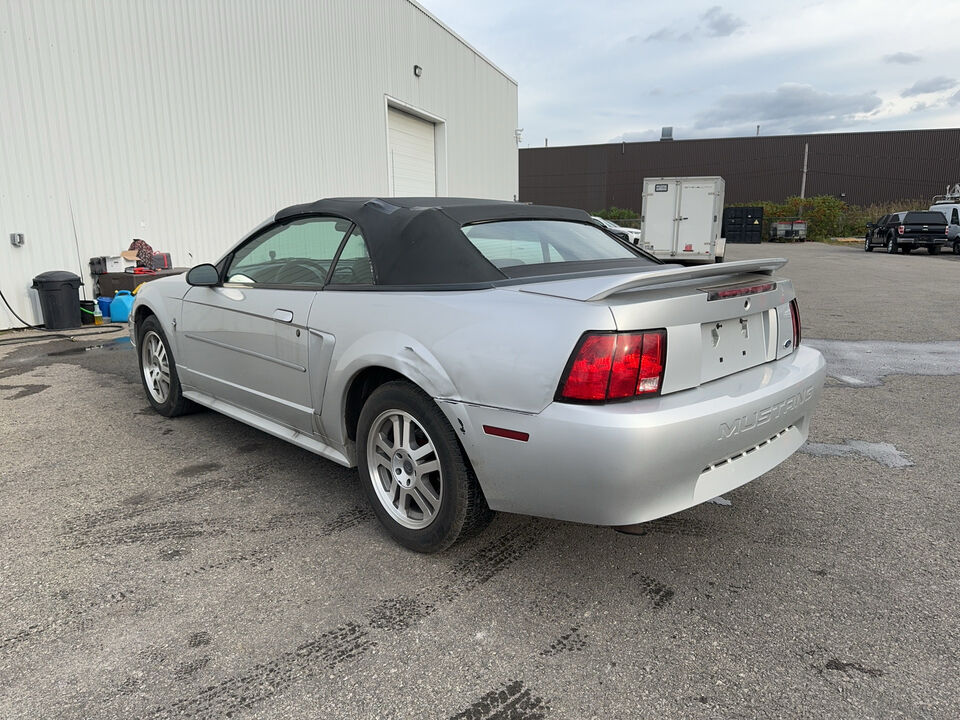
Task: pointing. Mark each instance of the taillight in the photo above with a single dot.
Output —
(614, 366)
(795, 317)
(900, 230)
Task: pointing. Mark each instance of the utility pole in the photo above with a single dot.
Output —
(803, 182)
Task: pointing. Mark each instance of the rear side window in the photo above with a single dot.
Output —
(353, 266)
(925, 217)
(955, 218)
(509, 243)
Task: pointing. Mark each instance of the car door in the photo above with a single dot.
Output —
(890, 225)
(877, 232)
(246, 341)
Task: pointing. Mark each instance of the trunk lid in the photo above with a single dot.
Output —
(720, 319)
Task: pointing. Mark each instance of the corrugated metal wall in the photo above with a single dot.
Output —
(865, 167)
(187, 122)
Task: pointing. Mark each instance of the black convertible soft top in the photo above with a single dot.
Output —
(417, 241)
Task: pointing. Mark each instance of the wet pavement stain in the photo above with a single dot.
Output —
(122, 343)
(864, 363)
(25, 390)
(113, 357)
(191, 471)
(883, 453)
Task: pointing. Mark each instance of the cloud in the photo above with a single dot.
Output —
(666, 33)
(903, 58)
(719, 23)
(921, 87)
(955, 98)
(715, 22)
(789, 108)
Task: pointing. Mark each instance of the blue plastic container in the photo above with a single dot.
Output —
(120, 306)
(104, 303)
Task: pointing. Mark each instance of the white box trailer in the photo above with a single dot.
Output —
(681, 218)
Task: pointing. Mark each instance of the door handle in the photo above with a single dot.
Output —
(284, 316)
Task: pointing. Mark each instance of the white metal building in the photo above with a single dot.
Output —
(187, 122)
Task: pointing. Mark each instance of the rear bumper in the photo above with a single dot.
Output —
(922, 241)
(631, 462)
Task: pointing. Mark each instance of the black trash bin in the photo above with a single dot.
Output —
(59, 299)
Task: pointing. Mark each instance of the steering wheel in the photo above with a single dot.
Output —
(319, 273)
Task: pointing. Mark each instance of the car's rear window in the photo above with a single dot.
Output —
(925, 217)
(515, 243)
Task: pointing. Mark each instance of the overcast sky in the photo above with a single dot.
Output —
(605, 70)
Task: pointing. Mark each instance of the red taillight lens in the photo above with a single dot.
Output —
(614, 366)
(795, 317)
(626, 366)
(900, 230)
(589, 374)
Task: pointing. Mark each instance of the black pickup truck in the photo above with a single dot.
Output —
(908, 230)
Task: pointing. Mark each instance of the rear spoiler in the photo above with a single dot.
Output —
(602, 287)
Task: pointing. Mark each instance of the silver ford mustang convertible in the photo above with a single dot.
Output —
(473, 355)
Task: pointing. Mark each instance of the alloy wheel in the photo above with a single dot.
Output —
(156, 366)
(404, 469)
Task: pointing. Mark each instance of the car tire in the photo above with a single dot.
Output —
(867, 247)
(933, 249)
(425, 511)
(956, 247)
(718, 259)
(891, 244)
(158, 370)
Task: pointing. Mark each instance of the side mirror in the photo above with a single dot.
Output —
(205, 275)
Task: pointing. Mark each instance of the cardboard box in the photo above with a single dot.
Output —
(116, 263)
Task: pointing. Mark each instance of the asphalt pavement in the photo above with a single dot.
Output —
(198, 568)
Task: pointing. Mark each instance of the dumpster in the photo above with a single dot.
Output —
(59, 299)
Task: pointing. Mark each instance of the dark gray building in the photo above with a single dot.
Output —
(864, 168)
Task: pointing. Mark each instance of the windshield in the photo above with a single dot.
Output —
(512, 243)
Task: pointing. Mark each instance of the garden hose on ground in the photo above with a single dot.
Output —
(51, 335)
(48, 334)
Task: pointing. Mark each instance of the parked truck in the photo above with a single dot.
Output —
(681, 219)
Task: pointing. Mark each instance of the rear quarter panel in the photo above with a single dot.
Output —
(489, 347)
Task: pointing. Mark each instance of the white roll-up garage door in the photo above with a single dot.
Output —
(413, 164)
